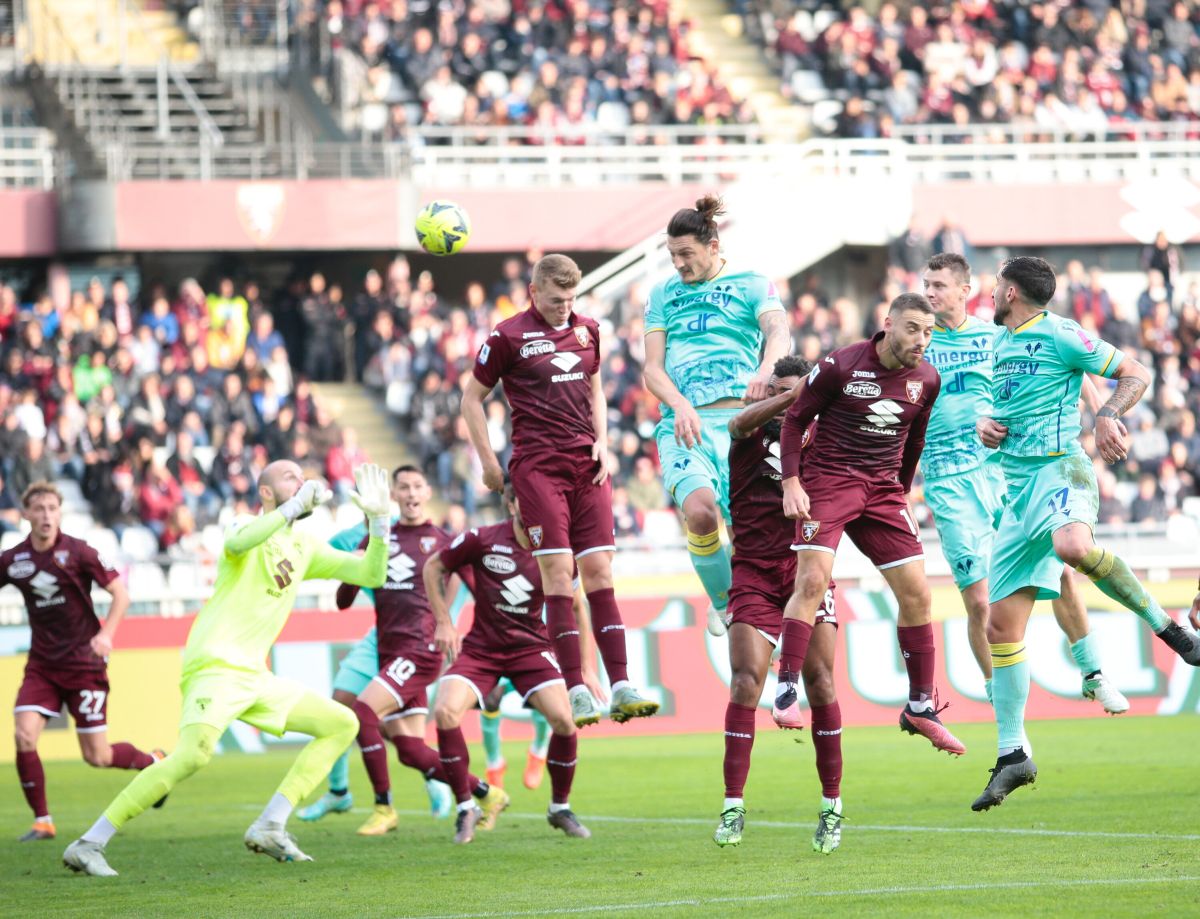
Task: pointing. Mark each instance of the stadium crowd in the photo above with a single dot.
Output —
(552, 66)
(1066, 68)
(164, 410)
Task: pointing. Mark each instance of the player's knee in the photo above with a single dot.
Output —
(26, 740)
(561, 722)
(446, 718)
(100, 757)
(811, 585)
(745, 688)
(818, 686)
(188, 759)
(345, 725)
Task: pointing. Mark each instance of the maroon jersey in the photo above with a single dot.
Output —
(760, 530)
(547, 376)
(57, 587)
(508, 589)
(873, 419)
(403, 616)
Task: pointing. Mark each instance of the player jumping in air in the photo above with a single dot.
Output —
(705, 328)
(764, 568)
(507, 639)
(225, 678)
(548, 359)
(1039, 362)
(874, 400)
(68, 654)
(965, 492)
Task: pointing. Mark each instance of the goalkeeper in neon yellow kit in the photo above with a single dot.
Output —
(225, 677)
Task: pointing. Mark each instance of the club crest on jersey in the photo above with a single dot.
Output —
(535, 536)
(581, 335)
(61, 556)
(809, 529)
(427, 544)
(913, 388)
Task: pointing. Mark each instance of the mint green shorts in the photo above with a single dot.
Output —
(705, 465)
(1044, 495)
(966, 510)
(359, 666)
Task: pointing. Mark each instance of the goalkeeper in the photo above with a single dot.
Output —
(224, 663)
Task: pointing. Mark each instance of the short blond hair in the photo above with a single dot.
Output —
(558, 270)
(40, 488)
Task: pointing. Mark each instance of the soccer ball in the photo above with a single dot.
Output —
(443, 228)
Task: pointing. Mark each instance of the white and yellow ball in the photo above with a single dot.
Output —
(443, 228)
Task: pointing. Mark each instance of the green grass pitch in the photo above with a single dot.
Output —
(1110, 829)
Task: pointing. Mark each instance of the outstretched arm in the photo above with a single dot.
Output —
(777, 341)
(366, 570)
(754, 416)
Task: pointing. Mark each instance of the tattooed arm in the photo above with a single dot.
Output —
(1132, 379)
(777, 341)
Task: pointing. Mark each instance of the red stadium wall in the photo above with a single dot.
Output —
(673, 657)
(28, 223)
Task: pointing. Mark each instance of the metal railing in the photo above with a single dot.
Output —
(27, 158)
(998, 134)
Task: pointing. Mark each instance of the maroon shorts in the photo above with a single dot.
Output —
(528, 669)
(562, 509)
(85, 691)
(760, 591)
(408, 678)
(875, 515)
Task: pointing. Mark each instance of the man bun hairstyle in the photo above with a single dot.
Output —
(559, 270)
(910, 302)
(1032, 276)
(699, 221)
(791, 365)
(955, 263)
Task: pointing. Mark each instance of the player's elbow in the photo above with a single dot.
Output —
(1135, 370)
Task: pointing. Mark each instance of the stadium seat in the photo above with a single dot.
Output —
(661, 528)
(213, 539)
(10, 539)
(139, 544)
(183, 577)
(104, 541)
(72, 495)
(807, 86)
(146, 580)
(204, 456)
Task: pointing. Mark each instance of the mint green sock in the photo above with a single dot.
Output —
(712, 569)
(1110, 573)
(489, 723)
(1010, 691)
(987, 689)
(541, 735)
(1084, 652)
(339, 775)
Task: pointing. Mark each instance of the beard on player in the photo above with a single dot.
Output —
(773, 428)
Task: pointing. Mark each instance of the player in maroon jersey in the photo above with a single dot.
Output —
(548, 359)
(764, 568)
(874, 400)
(507, 639)
(409, 662)
(68, 655)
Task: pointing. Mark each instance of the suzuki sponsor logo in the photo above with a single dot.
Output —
(517, 592)
(45, 585)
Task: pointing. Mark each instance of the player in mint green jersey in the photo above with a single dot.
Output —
(964, 491)
(1038, 363)
(225, 678)
(712, 335)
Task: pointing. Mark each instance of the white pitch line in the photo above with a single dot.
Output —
(852, 828)
(860, 892)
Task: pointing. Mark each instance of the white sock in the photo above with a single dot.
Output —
(1004, 751)
(579, 688)
(101, 832)
(923, 706)
(619, 685)
(733, 802)
(278, 810)
(540, 752)
(831, 804)
(555, 808)
(466, 805)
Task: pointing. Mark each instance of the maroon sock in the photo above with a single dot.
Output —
(916, 644)
(560, 761)
(793, 645)
(416, 754)
(739, 739)
(127, 756)
(610, 633)
(827, 741)
(374, 751)
(33, 782)
(564, 636)
(456, 761)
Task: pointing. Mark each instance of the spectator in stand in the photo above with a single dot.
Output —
(31, 465)
(1148, 508)
(323, 326)
(186, 469)
(233, 474)
(369, 304)
(1167, 260)
(341, 462)
(264, 338)
(232, 405)
(10, 507)
(116, 506)
(163, 324)
(158, 496)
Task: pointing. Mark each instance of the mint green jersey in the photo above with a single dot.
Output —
(963, 359)
(1037, 370)
(713, 337)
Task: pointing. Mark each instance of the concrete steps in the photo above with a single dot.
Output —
(378, 433)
